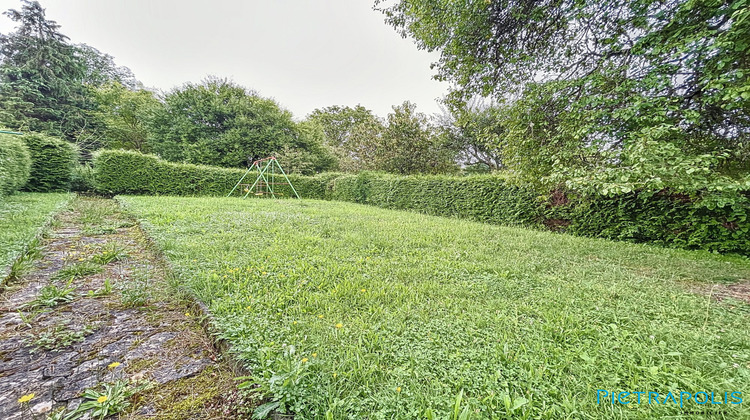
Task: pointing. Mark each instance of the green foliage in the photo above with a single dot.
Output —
(589, 86)
(221, 123)
(15, 164)
(57, 337)
(52, 163)
(82, 179)
(347, 311)
(486, 198)
(405, 143)
(110, 253)
(352, 133)
(41, 78)
(104, 400)
(127, 172)
(77, 270)
(473, 131)
(51, 296)
(310, 154)
(124, 115)
(410, 145)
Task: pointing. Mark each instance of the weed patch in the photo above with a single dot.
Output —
(77, 270)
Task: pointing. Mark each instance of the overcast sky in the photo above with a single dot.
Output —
(306, 54)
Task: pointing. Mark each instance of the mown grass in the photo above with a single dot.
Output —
(21, 216)
(349, 311)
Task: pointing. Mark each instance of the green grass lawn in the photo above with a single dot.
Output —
(21, 217)
(362, 312)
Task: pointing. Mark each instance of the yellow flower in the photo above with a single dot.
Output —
(304, 360)
(362, 290)
(264, 273)
(247, 307)
(339, 325)
(315, 354)
(320, 316)
(187, 314)
(295, 322)
(113, 365)
(398, 389)
(26, 398)
(101, 399)
(335, 374)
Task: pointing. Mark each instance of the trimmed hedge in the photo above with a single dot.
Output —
(711, 222)
(484, 198)
(52, 163)
(15, 164)
(128, 172)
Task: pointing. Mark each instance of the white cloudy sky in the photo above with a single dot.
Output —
(304, 53)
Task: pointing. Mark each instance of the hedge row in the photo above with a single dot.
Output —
(127, 172)
(15, 163)
(704, 222)
(52, 163)
(485, 198)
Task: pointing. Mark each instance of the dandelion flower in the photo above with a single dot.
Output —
(187, 314)
(315, 355)
(335, 374)
(26, 398)
(339, 325)
(362, 290)
(101, 399)
(295, 322)
(320, 316)
(305, 359)
(113, 365)
(247, 307)
(398, 389)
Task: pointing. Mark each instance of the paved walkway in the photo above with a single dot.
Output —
(96, 309)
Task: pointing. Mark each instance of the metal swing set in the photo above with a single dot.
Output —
(268, 169)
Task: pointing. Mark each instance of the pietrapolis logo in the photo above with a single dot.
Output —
(677, 398)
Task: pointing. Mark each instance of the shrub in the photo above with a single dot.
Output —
(52, 163)
(83, 179)
(15, 164)
(712, 221)
(127, 172)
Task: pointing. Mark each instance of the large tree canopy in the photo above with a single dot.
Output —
(218, 122)
(352, 133)
(41, 76)
(47, 84)
(589, 82)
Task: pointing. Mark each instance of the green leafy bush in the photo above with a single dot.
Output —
(15, 164)
(83, 179)
(52, 163)
(709, 220)
(127, 172)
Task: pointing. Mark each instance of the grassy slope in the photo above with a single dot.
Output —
(21, 216)
(431, 306)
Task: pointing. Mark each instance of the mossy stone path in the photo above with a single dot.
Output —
(98, 307)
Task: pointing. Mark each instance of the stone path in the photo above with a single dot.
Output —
(111, 316)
